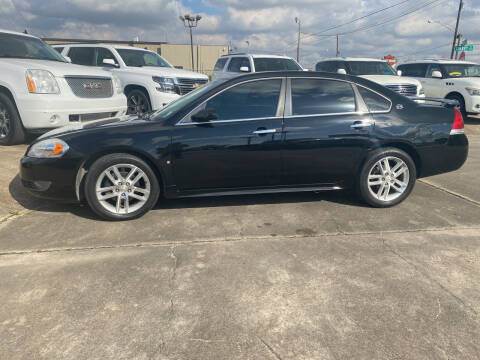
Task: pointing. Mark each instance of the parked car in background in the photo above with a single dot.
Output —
(40, 90)
(450, 79)
(148, 80)
(375, 70)
(237, 64)
(264, 132)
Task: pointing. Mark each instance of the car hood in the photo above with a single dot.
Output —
(57, 68)
(391, 79)
(164, 71)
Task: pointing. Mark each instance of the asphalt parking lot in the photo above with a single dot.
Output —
(287, 276)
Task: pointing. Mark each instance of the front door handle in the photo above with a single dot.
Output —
(361, 124)
(265, 131)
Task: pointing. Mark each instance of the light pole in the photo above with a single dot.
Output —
(297, 20)
(190, 22)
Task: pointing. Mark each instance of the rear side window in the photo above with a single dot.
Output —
(275, 64)
(256, 99)
(414, 70)
(220, 64)
(375, 102)
(314, 96)
(82, 55)
(237, 62)
(59, 49)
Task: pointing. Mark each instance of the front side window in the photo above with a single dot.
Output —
(275, 64)
(374, 101)
(82, 55)
(433, 68)
(238, 62)
(103, 54)
(462, 70)
(251, 100)
(413, 70)
(26, 47)
(140, 58)
(327, 66)
(358, 68)
(318, 96)
(220, 64)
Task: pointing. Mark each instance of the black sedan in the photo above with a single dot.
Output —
(259, 133)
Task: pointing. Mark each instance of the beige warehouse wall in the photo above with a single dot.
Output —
(179, 55)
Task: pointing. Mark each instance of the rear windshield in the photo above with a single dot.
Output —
(275, 64)
(26, 47)
(370, 68)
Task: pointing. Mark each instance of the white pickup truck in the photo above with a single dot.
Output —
(450, 79)
(148, 80)
(40, 90)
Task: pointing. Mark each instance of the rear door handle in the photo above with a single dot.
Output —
(265, 131)
(361, 124)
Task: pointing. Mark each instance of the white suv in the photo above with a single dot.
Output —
(40, 90)
(148, 80)
(378, 71)
(232, 65)
(450, 79)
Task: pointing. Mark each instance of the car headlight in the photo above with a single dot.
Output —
(421, 91)
(473, 91)
(41, 82)
(117, 84)
(165, 84)
(49, 148)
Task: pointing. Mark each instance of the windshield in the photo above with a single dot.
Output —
(370, 68)
(275, 64)
(179, 103)
(26, 47)
(462, 70)
(139, 58)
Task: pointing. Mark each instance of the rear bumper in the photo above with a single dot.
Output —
(50, 178)
(444, 158)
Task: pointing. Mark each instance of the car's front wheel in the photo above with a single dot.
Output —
(387, 178)
(121, 187)
(11, 129)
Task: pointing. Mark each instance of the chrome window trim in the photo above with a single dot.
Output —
(329, 114)
(183, 123)
(229, 121)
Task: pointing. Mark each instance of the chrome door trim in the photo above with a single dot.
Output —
(265, 131)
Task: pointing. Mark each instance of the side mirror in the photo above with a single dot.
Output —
(437, 74)
(68, 59)
(399, 72)
(244, 69)
(205, 115)
(109, 62)
(342, 71)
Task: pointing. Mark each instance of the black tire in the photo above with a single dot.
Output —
(13, 133)
(461, 100)
(96, 171)
(138, 102)
(369, 166)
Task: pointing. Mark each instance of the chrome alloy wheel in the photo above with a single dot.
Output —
(122, 188)
(4, 122)
(137, 104)
(388, 178)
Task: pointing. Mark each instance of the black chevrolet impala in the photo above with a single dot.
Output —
(259, 133)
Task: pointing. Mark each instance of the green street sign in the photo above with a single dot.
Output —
(464, 48)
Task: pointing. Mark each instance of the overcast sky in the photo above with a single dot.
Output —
(268, 25)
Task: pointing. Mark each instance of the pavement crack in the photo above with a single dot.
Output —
(272, 351)
(419, 270)
(14, 214)
(451, 192)
(173, 256)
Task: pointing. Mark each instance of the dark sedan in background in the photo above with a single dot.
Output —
(264, 132)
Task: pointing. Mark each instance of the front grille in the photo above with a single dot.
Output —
(185, 85)
(91, 117)
(404, 89)
(90, 87)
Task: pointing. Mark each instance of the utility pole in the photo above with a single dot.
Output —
(191, 22)
(297, 20)
(338, 51)
(460, 6)
(459, 42)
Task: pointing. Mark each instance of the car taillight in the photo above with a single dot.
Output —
(458, 126)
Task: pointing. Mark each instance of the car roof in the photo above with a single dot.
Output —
(438, 61)
(102, 45)
(17, 33)
(258, 55)
(352, 59)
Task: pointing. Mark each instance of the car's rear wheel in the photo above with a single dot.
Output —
(121, 187)
(11, 129)
(138, 103)
(387, 178)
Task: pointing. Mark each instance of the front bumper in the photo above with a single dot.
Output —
(48, 111)
(50, 178)
(473, 106)
(160, 99)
